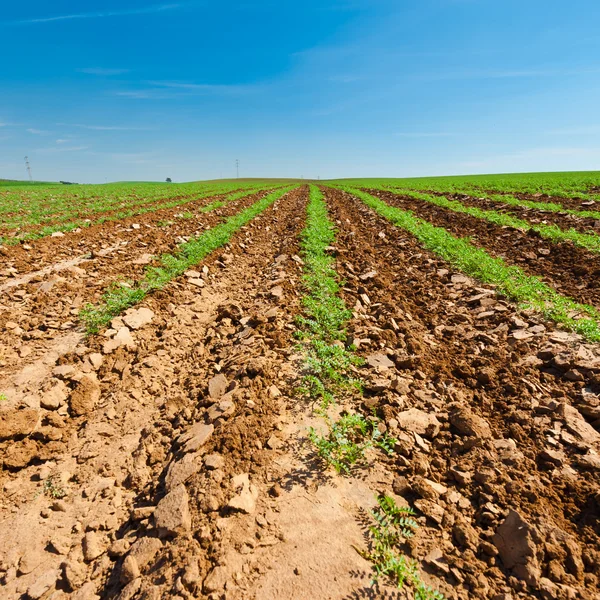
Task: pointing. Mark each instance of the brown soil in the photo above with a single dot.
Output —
(49, 302)
(570, 203)
(456, 352)
(82, 214)
(562, 220)
(37, 254)
(176, 465)
(572, 271)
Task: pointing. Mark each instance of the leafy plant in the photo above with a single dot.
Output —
(53, 488)
(347, 440)
(393, 525)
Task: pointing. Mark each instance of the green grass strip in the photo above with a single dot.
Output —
(528, 291)
(555, 234)
(118, 298)
(325, 314)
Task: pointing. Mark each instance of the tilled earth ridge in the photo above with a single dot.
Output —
(571, 270)
(37, 254)
(33, 314)
(570, 203)
(166, 437)
(496, 412)
(532, 215)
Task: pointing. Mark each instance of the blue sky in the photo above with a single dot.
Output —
(135, 90)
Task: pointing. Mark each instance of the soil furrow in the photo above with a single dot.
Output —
(570, 203)
(538, 216)
(572, 271)
(501, 385)
(31, 315)
(185, 410)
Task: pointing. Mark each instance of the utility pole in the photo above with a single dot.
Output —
(28, 168)
(237, 167)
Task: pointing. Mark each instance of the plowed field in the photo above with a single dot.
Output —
(273, 362)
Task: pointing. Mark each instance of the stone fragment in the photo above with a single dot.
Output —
(55, 397)
(85, 396)
(122, 338)
(468, 423)
(136, 319)
(245, 500)
(130, 590)
(195, 437)
(437, 560)
(42, 584)
(217, 386)
(118, 548)
(15, 423)
(196, 281)
(172, 515)
(221, 410)
(590, 460)
(96, 359)
(516, 541)
(214, 461)
(216, 580)
(577, 425)
(277, 292)
(144, 550)
(179, 472)
(86, 592)
(418, 421)
(92, 546)
(379, 361)
(130, 569)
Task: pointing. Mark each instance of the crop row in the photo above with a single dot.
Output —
(327, 378)
(589, 241)
(120, 297)
(135, 210)
(528, 291)
(585, 185)
(42, 207)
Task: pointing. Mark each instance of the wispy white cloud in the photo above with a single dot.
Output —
(62, 141)
(424, 134)
(505, 73)
(166, 90)
(207, 87)
(156, 8)
(37, 131)
(151, 94)
(104, 127)
(101, 71)
(61, 149)
(539, 155)
(587, 130)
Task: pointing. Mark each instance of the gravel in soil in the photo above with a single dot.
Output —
(126, 486)
(496, 413)
(572, 271)
(48, 303)
(536, 216)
